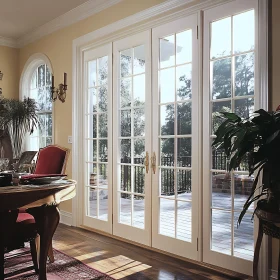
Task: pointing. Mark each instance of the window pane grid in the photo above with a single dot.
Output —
(175, 107)
(96, 117)
(131, 108)
(232, 90)
(40, 91)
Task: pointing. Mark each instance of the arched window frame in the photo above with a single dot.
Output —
(30, 67)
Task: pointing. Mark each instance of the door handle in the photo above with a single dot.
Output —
(147, 162)
(154, 162)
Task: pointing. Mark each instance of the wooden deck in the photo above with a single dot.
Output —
(222, 221)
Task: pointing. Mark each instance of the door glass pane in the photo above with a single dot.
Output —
(221, 45)
(221, 190)
(184, 47)
(184, 82)
(125, 209)
(244, 74)
(167, 85)
(167, 51)
(167, 217)
(92, 211)
(126, 63)
(244, 32)
(184, 118)
(167, 117)
(139, 212)
(184, 221)
(103, 205)
(221, 78)
(221, 231)
(184, 185)
(139, 60)
(244, 237)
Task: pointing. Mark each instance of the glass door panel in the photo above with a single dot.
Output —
(97, 117)
(230, 85)
(132, 95)
(175, 137)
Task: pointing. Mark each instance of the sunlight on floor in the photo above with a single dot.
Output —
(119, 266)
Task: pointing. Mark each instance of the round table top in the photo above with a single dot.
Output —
(29, 196)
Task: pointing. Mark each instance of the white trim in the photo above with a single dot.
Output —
(77, 14)
(65, 218)
(8, 42)
(273, 275)
(113, 30)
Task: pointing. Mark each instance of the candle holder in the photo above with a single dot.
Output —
(60, 91)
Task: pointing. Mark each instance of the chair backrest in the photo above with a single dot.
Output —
(52, 160)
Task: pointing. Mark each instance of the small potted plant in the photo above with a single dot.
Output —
(256, 138)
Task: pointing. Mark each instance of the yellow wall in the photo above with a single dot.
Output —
(58, 47)
(9, 59)
(275, 89)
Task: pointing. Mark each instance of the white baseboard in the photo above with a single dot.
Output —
(273, 275)
(65, 218)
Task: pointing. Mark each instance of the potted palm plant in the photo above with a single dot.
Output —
(17, 118)
(258, 139)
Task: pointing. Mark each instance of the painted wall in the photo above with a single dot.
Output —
(9, 64)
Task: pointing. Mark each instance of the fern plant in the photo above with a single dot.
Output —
(258, 138)
(18, 118)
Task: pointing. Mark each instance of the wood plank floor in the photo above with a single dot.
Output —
(122, 260)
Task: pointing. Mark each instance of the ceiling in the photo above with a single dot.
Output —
(19, 17)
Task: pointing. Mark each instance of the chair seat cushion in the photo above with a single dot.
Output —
(25, 218)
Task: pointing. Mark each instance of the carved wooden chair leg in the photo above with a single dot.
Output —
(50, 253)
(33, 251)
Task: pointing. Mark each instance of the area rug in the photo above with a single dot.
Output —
(18, 265)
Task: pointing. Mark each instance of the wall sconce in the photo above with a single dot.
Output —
(59, 92)
(1, 76)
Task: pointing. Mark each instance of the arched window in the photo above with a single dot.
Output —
(36, 83)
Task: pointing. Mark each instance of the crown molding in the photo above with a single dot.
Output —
(116, 30)
(79, 13)
(8, 42)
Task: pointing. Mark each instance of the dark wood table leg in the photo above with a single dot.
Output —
(47, 219)
(257, 252)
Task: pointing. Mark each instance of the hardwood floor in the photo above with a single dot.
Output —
(122, 260)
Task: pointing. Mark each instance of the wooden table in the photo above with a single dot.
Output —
(42, 203)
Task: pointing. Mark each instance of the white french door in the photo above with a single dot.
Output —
(176, 137)
(230, 85)
(97, 138)
(132, 138)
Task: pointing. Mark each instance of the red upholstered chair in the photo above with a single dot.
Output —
(51, 160)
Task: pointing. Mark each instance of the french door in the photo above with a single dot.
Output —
(132, 138)
(230, 85)
(176, 137)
